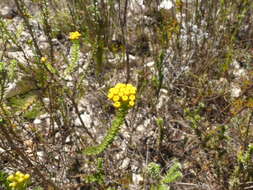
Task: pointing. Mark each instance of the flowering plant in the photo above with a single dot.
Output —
(18, 181)
(123, 95)
(74, 35)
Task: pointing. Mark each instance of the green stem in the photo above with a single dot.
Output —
(111, 134)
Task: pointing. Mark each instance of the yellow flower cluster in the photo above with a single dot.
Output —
(122, 95)
(18, 180)
(43, 59)
(74, 35)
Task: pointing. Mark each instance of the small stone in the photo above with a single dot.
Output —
(235, 91)
(131, 57)
(141, 128)
(37, 121)
(137, 178)
(85, 118)
(68, 139)
(166, 4)
(40, 154)
(46, 100)
(150, 64)
(1, 150)
(125, 163)
(58, 135)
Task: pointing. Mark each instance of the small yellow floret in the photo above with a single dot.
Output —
(110, 95)
(43, 59)
(13, 184)
(20, 180)
(127, 92)
(131, 103)
(74, 35)
(27, 176)
(133, 90)
(10, 177)
(18, 173)
(129, 86)
(120, 85)
(115, 90)
(111, 90)
(115, 98)
(124, 98)
(132, 97)
(117, 104)
(121, 94)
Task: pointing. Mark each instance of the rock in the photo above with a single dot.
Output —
(22, 86)
(86, 119)
(68, 140)
(40, 154)
(235, 91)
(166, 4)
(8, 13)
(237, 70)
(137, 179)
(37, 121)
(1, 150)
(125, 163)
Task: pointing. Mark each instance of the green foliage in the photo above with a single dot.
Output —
(244, 167)
(22, 86)
(160, 187)
(245, 157)
(154, 170)
(98, 176)
(172, 175)
(158, 78)
(160, 124)
(26, 105)
(51, 68)
(75, 55)
(194, 115)
(111, 135)
(3, 181)
(34, 111)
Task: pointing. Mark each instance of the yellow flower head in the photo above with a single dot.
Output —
(133, 90)
(19, 174)
(131, 103)
(43, 59)
(110, 96)
(18, 179)
(13, 184)
(74, 35)
(124, 98)
(27, 176)
(132, 97)
(123, 95)
(10, 177)
(115, 98)
(117, 104)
